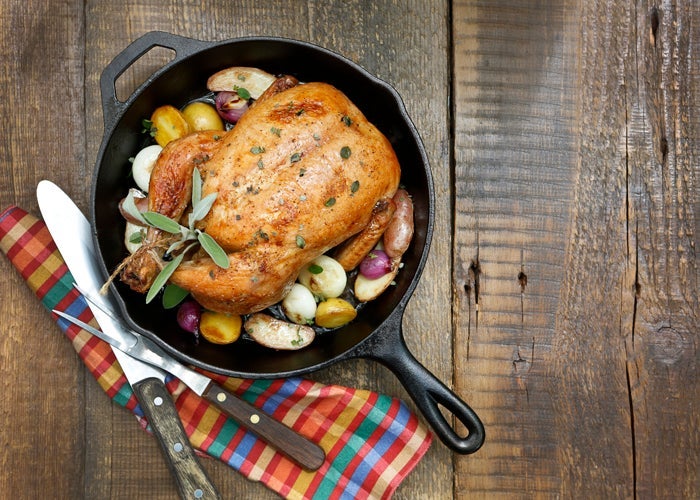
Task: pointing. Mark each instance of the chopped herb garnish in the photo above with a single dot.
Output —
(276, 131)
(346, 120)
(317, 137)
(301, 242)
(256, 150)
(315, 269)
(354, 186)
(148, 127)
(295, 157)
(297, 342)
(345, 152)
(302, 197)
(260, 164)
(242, 93)
(330, 202)
(302, 171)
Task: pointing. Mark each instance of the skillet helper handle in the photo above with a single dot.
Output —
(427, 391)
(156, 402)
(112, 107)
(306, 453)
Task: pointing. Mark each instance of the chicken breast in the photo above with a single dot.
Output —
(299, 174)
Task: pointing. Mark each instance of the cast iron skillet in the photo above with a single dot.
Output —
(377, 331)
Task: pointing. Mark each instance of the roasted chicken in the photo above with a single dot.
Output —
(299, 174)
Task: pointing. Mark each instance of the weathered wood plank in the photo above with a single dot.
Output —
(514, 157)
(42, 136)
(663, 173)
(576, 228)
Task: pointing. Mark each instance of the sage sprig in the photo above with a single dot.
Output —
(189, 235)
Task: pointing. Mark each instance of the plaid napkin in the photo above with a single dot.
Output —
(372, 441)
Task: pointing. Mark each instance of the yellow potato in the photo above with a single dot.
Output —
(169, 124)
(334, 312)
(202, 116)
(220, 328)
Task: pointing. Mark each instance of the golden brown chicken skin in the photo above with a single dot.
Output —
(299, 174)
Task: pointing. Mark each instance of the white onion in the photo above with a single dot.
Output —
(143, 165)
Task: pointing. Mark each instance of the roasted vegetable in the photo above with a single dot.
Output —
(255, 81)
(230, 106)
(219, 328)
(334, 312)
(399, 233)
(202, 116)
(143, 165)
(277, 334)
(369, 289)
(189, 315)
(299, 305)
(168, 124)
(324, 276)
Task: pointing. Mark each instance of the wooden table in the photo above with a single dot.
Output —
(561, 294)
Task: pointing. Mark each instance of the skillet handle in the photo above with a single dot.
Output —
(427, 391)
(112, 107)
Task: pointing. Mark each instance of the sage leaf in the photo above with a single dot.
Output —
(196, 187)
(129, 207)
(213, 249)
(173, 295)
(163, 277)
(162, 222)
(202, 207)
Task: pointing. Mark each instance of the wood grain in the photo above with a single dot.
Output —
(576, 225)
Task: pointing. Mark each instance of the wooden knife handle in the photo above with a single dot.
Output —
(157, 404)
(295, 446)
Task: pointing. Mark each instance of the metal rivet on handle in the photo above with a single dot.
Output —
(221, 397)
(198, 493)
(178, 447)
(254, 419)
(158, 401)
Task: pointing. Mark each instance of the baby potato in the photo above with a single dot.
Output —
(324, 276)
(299, 305)
(334, 312)
(219, 328)
(169, 124)
(254, 80)
(202, 116)
(144, 161)
(277, 334)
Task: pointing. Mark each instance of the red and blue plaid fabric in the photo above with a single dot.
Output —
(372, 441)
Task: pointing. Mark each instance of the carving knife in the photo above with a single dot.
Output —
(75, 228)
(147, 382)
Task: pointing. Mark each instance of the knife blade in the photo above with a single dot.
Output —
(147, 381)
(118, 334)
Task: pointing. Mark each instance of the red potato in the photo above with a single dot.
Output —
(399, 233)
